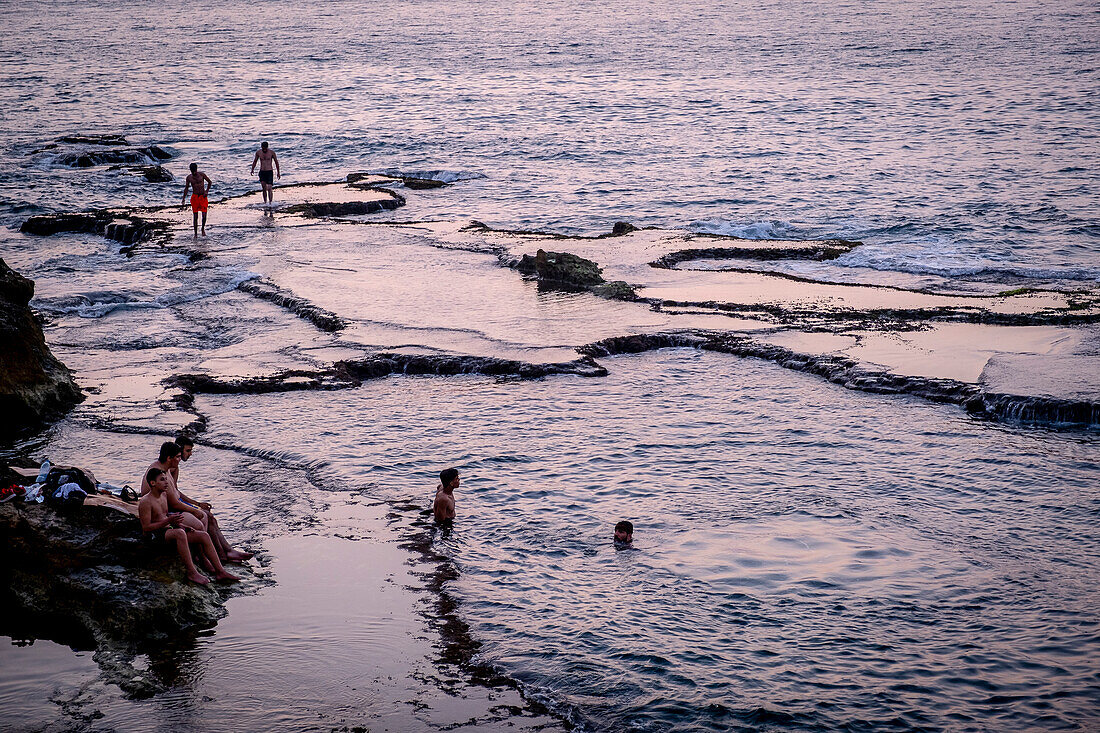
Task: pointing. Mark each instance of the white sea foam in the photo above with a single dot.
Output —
(445, 176)
(99, 304)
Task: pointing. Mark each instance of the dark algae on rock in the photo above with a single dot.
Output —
(34, 386)
(87, 578)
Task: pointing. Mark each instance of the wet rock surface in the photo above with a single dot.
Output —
(112, 225)
(353, 372)
(266, 290)
(346, 208)
(854, 374)
(87, 578)
(91, 158)
(566, 271)
(34, 386)
(828, 249)
(151, 173)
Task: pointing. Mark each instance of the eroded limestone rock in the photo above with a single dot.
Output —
(34, 386)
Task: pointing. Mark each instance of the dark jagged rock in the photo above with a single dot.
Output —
(418, 184)
(353, 372)
(292, 380)
(90, 158)
(93, 140)
(346, 208)
(34, 386)
(828, 249)
(622, 227)
(127, 229)
(886, 318)
(567, 269)
(853, 374)
(44, 225)
(380, 365)
(86, 577)
(323, 319)
(155, 173)
(151, 173)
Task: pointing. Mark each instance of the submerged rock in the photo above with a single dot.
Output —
(34, 386)
(854, 374)
(93, 140)
(345, 208)
(324, 319)
(762, 250)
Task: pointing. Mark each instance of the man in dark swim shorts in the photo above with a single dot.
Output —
(266, 158)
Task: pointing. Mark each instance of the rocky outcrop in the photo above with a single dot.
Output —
(853, 374)
(151, 173)
(151, 154)
(353, 372)
(126, 229)
(566, 271)
(93, 140)
(347, 208)
(87, 578)
(34, 386)
(315, 314)
(828, 249)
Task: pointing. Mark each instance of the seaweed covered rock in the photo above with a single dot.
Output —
(562, 270)
(34, 386)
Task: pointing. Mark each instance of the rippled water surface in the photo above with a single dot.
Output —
(805, 556)
(953, 138)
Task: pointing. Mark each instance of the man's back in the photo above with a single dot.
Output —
(444, 507)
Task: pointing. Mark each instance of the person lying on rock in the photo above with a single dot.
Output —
(169, 459)
(181, 530)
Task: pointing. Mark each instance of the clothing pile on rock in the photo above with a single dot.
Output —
(64, 488)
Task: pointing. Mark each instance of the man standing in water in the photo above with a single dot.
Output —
(200, 183)
(266, 157)
(444, 508)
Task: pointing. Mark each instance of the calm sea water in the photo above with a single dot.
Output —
(808, 558)
(953, 137)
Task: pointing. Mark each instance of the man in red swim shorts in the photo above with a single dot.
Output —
(200, 183)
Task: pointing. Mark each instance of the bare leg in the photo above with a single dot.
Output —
(204, 223)
(203, 539)
(179, 537)
(195, 216)
(225, 550)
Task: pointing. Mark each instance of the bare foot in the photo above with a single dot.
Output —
(237, 556)
(226, 577)
(197, 577)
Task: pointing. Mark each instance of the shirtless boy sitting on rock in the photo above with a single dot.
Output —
(177, 528)
(169, 462)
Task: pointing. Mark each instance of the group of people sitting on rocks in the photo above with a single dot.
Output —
(168, 515)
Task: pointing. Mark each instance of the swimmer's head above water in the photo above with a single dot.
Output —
(624, 533)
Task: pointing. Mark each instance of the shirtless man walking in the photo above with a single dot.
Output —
(169, 460)
(444, 508)
(160, 525)
(266, 157)
(200, 183)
